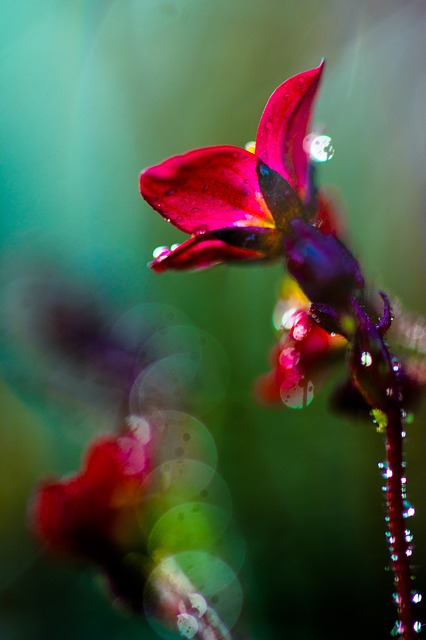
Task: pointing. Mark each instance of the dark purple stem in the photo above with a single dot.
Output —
(400, 549)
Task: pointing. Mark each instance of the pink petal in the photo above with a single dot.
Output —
(207, 189)
(283, 127)
(223, 245)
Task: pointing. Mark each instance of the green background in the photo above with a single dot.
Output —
(92, 92)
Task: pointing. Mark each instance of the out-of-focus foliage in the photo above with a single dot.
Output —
(92, 92)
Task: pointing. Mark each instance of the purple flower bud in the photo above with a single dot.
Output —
(325, 270)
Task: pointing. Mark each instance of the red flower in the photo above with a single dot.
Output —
(234, 203)
(92, 515)
(300, 355)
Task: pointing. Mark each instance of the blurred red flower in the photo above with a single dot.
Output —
(92, 516)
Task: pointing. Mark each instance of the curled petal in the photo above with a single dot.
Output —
(283, 127)
(222, 245)
(207, 189)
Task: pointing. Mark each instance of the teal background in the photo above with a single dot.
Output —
(92, 92)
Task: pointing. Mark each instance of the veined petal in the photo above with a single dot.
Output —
(207, 189)
(222, 245)
(283, 127)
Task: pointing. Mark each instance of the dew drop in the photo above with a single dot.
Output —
(417, 626)
(416, 597)
(187, 625)
(194, 210)
(321, 148)
(198, 604)
(397, 629)
(409, 510)
(170, 192)
(366, 359)
(160, 252)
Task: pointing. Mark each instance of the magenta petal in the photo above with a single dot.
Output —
(223, 245)
(207, 189)
(283, 127)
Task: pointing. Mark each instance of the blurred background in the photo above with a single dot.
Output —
(94, 91)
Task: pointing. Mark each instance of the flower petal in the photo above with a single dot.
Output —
(283, 127)
(207, 189)
(222, 245)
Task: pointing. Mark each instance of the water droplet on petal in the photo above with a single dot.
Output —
(160, 252)
(170, 192)
(416, 597)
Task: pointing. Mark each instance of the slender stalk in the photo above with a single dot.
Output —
(396, 517)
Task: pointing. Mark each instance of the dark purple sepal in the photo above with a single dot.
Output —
(282, 200)
(233, 244)
(325, 270)
(327, 318)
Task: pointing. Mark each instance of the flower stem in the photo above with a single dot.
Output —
(396, 515)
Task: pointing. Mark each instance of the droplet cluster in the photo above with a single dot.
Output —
(408, 512)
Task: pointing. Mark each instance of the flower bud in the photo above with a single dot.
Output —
(325, 270)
